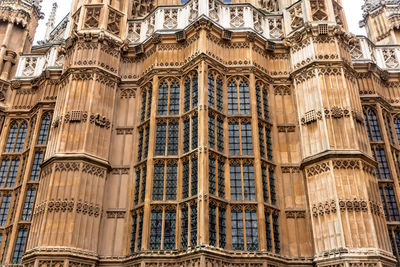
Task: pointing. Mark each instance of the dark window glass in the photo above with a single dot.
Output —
(269, 143)
(389, 203)
(212, 224)
(194, 176)
(140, 232)
(232, 98)
(174, 99)
(173, 135)
(211, 85)
(383, 171)
(268, 231)
(211, 175)
(184, 228)
(195, 90)
(133, 234)
(193, 225)
(44, 129)
(397, 128)
(146, 142)
(266, 106)
(222, 227)
(140, 148)
(258, 98)
(161, 138)
(272, 186)
(220, 135)
(144, 174)
(220, 95)
(186, 135)
(20, 246)
(150, 95)
(162, 99)
(388, 126)
(234, 139)
(236, 182)
(247, 141)
(194, 132)
(275, 226)
(248, 180)
(397, 238)
(19, 145)
(158, 182)
(172, 173)
(187, 95)
(12, 135)
(5, 205)
(137, 186)
(12, 173)
(221, 179)
(251, 230)
(28, 205)
(265, 183)
(373, 130)
(143, 111)
(185, 179)
(244, 98)
(37, 160)
(211, 131)
(169, 229)
(261, 137)
(3, 171)
(237, 230)
(155, 229)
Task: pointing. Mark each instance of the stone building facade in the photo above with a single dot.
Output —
(200, 133)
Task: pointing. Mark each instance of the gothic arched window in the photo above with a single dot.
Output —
(397, 128)
(238, 97)
(168, 97)
(191, 91)
(16, 137)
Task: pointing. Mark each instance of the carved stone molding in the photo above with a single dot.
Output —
(321, 209)
(353, 205)
(69, 205)
(318, 169)
(124, 131)
(286, 128)
(100, 121)
(120, 170)
(290, 169)
(295, 214)
(115, 214)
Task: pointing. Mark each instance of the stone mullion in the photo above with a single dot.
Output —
(257, 165)
(20, 204)
(150, 167)
(203, 195)
(388, 151)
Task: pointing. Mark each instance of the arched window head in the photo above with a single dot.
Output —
(16, 137)
(44, 130)
(168, 97)
(238, 97)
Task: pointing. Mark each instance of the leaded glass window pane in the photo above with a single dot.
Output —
(185, 179)
(184, 228)
(161, 138)
(173, 135)
(144, 177)
(212, 224)
(234, 139)
(236, 182)
(211, 175)
(221, 179)
(261, 137)
(220, 95)
(247, 140)
(195, 90)
(44, 129)
(140, 147)
(220, 135)
(172, 173)
(158, 182)
(3, 171)
(266, 106)
(137, 186)
(155, 229)
(244, 98)
(275, 226)
(380, 156)
(194, 132)
(265, 183)
(258, 98)
(150, 95)
(222, 227)
(37, 160)
(5, 205)
(397, 128)
(194, 176)
(143, 111)
(169, 229)
(272, 186)
(237, 230)
(187, 95)
(268, 231)
(20, 245)
(140, 232)
(19, 145)
(251, 230)
(373, 129)
(193, 225)
(174, 99)
(12, 173)
(232, 98)
(186, 135)
(248, 180)
(211, 97)
(211, 131)
(146, 143)
(12, 135)
(269, 143)
(133, 234)
(162, 99)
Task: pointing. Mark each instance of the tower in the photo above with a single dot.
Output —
(381, 21)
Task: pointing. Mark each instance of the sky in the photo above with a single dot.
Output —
(352, 9)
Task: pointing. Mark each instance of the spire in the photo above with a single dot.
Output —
(50, 23)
